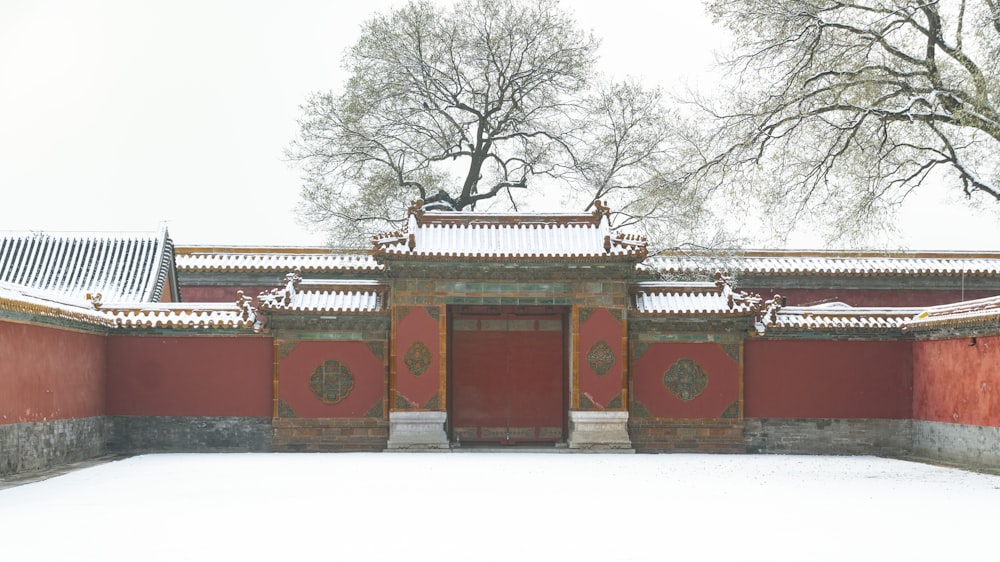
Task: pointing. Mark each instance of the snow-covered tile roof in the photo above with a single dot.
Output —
(830, 263)
(974, 313)
(41, 304)
(837, 317)
(119, 266)
(33, 303)
(305, 296)
(280, 259)
(507, 236)
(182, 316)
(708, 299)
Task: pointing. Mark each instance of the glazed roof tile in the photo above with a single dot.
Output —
(838, 319)
(693, 299)
(183, 316)
(836, 263)
(280, 259)
(304, 296)
(504, 236)
(973, 313)
(32, 303)
(40, 304)
(121, 267)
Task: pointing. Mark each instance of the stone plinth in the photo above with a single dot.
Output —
(599, 430)
(417, 430)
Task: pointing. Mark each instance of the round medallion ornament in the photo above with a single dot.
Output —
(685, 379)
(331, 382)
(417, 358)
(601, 358)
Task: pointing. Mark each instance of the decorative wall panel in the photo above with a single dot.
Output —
(331, 379)
(418, 373)
(681, 380)
(600, 355)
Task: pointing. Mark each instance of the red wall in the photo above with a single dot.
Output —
(368, 373)
(721, 391)
(48, 373)
(827, 379)
(956, 382)
(416, 330)
(853, 297)
(601, 390)
(190, 376)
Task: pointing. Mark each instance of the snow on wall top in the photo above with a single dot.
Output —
(836, 263)
(313, 260)
(505, 236)
(93, 312)
(694, 299)
(302, 296)
(972, 313)
(817, 319)
(28, 302)
(121, 267)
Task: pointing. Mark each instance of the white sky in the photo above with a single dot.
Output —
(443, 507)
(120, 115)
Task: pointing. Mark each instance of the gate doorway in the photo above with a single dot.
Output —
(507, 375)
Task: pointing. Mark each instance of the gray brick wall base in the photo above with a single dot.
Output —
(971, 446)
(821, 436)
(179, 434)
(39, 445)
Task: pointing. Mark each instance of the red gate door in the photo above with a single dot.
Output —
(508, 374)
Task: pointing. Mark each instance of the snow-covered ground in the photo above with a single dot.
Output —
(510, 506)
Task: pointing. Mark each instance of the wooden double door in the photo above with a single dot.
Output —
(507, 374)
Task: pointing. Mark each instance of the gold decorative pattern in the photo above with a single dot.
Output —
(601, 358)
(285, 347)
(639, 410)
(732, 412)
(376, 411)
(377, 347)
(585, 313)
(685, 379)
(331, 382)
(285, 410)
(732, 350)
(417, 358)
(432, 403)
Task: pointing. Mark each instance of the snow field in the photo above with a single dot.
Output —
(503, 506)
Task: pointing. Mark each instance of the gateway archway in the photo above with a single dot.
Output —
(507, 374)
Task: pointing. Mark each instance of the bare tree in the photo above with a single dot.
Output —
(844, 107)
(452, 106)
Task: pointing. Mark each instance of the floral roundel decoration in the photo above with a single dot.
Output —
(685, 379)
(601, 358)
(331, 382)
(417, 358)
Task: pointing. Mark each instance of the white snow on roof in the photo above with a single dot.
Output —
(807, 318)
(304, 296)
(691, 299)
(974, 312)
(481, 235)
(119, 266)
(21, 300)
(273, 259)
(183, 315)
(763, 262)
